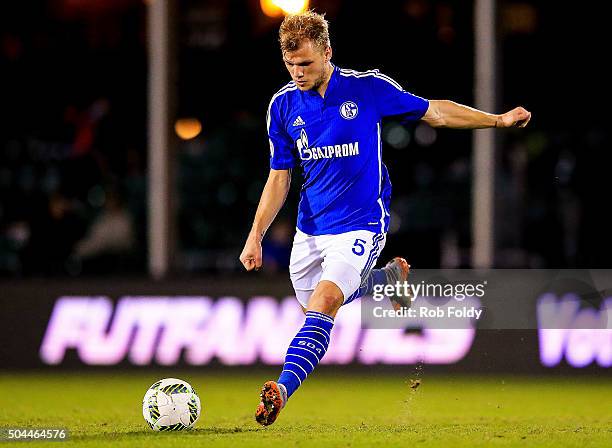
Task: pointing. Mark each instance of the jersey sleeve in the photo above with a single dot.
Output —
(282, 156)
(392, 100)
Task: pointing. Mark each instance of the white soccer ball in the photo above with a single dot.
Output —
(171, 405)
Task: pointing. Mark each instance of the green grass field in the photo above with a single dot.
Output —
(330, 409)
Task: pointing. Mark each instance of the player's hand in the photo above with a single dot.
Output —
(251, 257)
(517, 117)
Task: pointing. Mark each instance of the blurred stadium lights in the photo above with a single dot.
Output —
(425, 135)
(278, 8)
(187, 128)
(396, 135)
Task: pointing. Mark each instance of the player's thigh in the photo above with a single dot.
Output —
(305, 266)
(349, 257)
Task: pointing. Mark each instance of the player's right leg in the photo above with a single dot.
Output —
(305, 270)
(304, 353)
(335, 264)
(341, 260)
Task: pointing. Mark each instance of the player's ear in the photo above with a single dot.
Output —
(328, 54)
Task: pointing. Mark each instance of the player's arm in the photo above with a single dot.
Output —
(448, 114)
(272, 199)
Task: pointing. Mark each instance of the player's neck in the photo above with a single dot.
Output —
(323, 87)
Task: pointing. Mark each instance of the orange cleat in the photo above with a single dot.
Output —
(273, 399)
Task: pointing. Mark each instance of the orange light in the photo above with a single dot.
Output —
(187, 128)
(270, 9)
(277, 8)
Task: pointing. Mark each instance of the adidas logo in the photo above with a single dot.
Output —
(298, 121)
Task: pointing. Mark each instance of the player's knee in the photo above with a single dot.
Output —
(326, 302)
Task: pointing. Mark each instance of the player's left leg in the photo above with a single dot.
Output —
(395, 271)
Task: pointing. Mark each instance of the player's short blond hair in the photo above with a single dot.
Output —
(305, 25)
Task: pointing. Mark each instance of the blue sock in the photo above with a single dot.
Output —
(376, 277)
(306, 350)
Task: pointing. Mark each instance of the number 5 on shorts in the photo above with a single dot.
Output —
(358, 248)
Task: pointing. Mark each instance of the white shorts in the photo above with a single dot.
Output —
(344, 259)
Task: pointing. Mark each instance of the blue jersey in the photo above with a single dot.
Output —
(337, 141)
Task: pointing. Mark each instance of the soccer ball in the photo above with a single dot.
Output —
(171, 405)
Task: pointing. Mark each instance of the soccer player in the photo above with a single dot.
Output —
(328, 120)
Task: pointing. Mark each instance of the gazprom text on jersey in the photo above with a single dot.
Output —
(327, 152)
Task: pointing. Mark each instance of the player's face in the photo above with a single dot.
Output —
(308, 65)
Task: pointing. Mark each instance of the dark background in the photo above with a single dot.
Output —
(73, 150)
(73, 135)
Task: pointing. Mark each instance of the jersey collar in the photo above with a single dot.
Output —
(333, 80)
